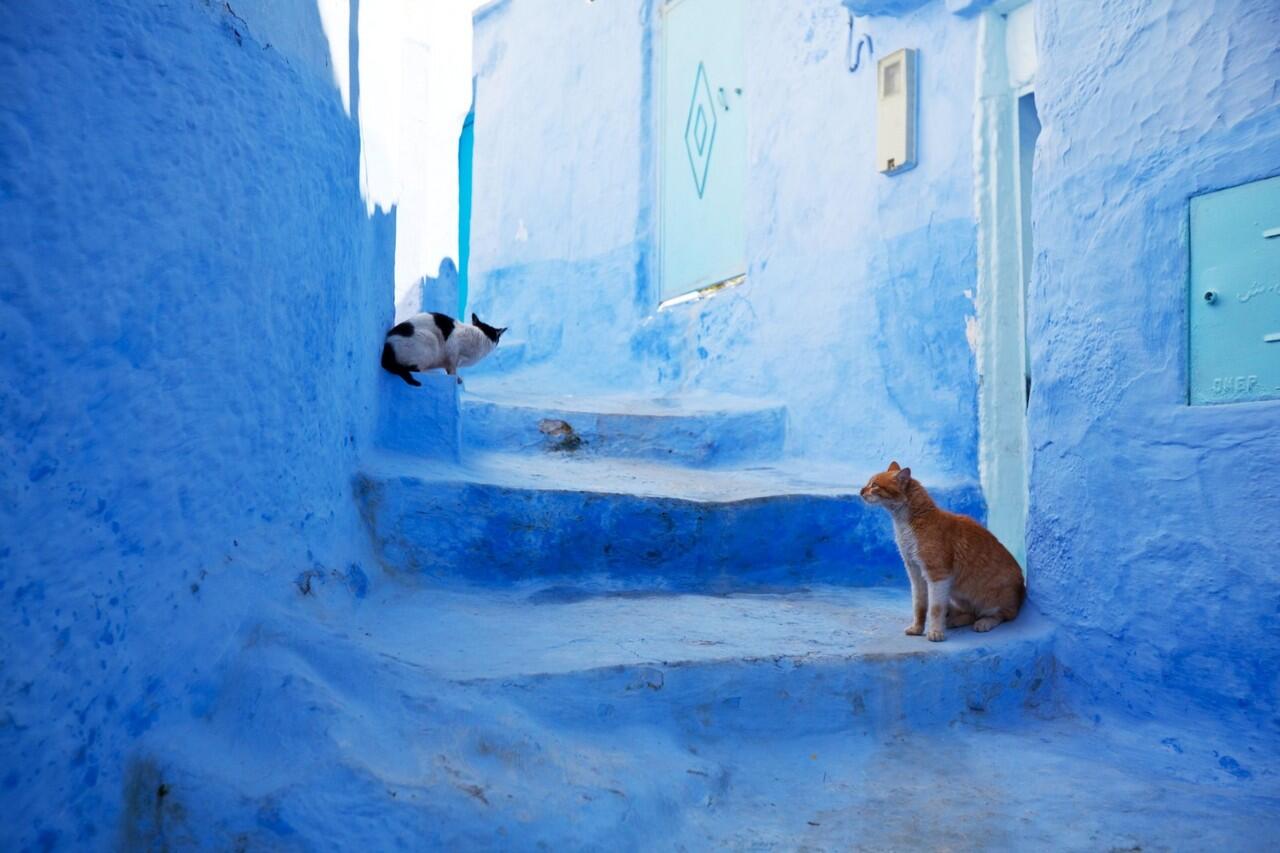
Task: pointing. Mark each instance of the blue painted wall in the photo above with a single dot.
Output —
(193, 297)
(1152, 533)
(191, 301)
(1150, 537)
(855, 307)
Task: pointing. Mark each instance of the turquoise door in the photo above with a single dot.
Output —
(1235, 294)
(466, 144)
(704, 145)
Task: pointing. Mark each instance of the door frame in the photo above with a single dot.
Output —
(1004, 458)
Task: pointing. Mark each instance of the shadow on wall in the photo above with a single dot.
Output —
(192, 298)
(432, 294)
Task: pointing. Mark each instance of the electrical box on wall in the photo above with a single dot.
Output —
(1235, 294)
(896, 112)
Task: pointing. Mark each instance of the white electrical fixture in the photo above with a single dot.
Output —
(896, 112)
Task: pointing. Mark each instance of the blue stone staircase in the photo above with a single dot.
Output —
(676, 494)
(644, 556)
(666, 636)
(803, 661)
(537, 716)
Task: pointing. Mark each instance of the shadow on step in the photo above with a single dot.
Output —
(566, 594)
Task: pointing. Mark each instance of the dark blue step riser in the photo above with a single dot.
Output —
(796, 697)
(491, 535)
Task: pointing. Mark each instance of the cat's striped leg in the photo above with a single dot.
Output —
(935, 626)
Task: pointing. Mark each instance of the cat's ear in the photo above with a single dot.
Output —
(498, 333)
(894, 466)
(904, 477)
(475, 321)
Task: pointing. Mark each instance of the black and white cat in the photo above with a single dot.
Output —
(427, 341)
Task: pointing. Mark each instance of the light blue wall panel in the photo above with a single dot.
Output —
(1235, 294)
(704, 145)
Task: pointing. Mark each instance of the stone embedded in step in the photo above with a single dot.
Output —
(704, 431)
(561, 435)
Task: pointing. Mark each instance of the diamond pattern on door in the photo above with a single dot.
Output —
(700, 129)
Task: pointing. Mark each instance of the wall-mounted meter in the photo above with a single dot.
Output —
(896, 112)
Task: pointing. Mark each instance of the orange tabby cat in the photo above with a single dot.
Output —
(960, 573)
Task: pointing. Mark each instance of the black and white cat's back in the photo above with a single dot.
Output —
(416, 344)
(433, 340)
(392, 365)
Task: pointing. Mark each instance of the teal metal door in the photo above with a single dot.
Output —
(466, 146)
(704, 145)
(1235, 294)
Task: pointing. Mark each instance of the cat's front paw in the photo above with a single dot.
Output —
(915, 629)
(936, 635)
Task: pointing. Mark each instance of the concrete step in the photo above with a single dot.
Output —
(567, 719)
(702, 429)
(422, 420)
(819, 660)
(500, 518)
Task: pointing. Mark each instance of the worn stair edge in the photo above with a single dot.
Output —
(1005, 674)
(491, 533)
(704, 437)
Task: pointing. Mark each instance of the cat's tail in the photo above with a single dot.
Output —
(392, 365)
(1020, 598)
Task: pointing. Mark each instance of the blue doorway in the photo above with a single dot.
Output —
(466, 146)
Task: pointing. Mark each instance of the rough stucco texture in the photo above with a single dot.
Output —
(854, 310)
(189, 317)
(1152, 534)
